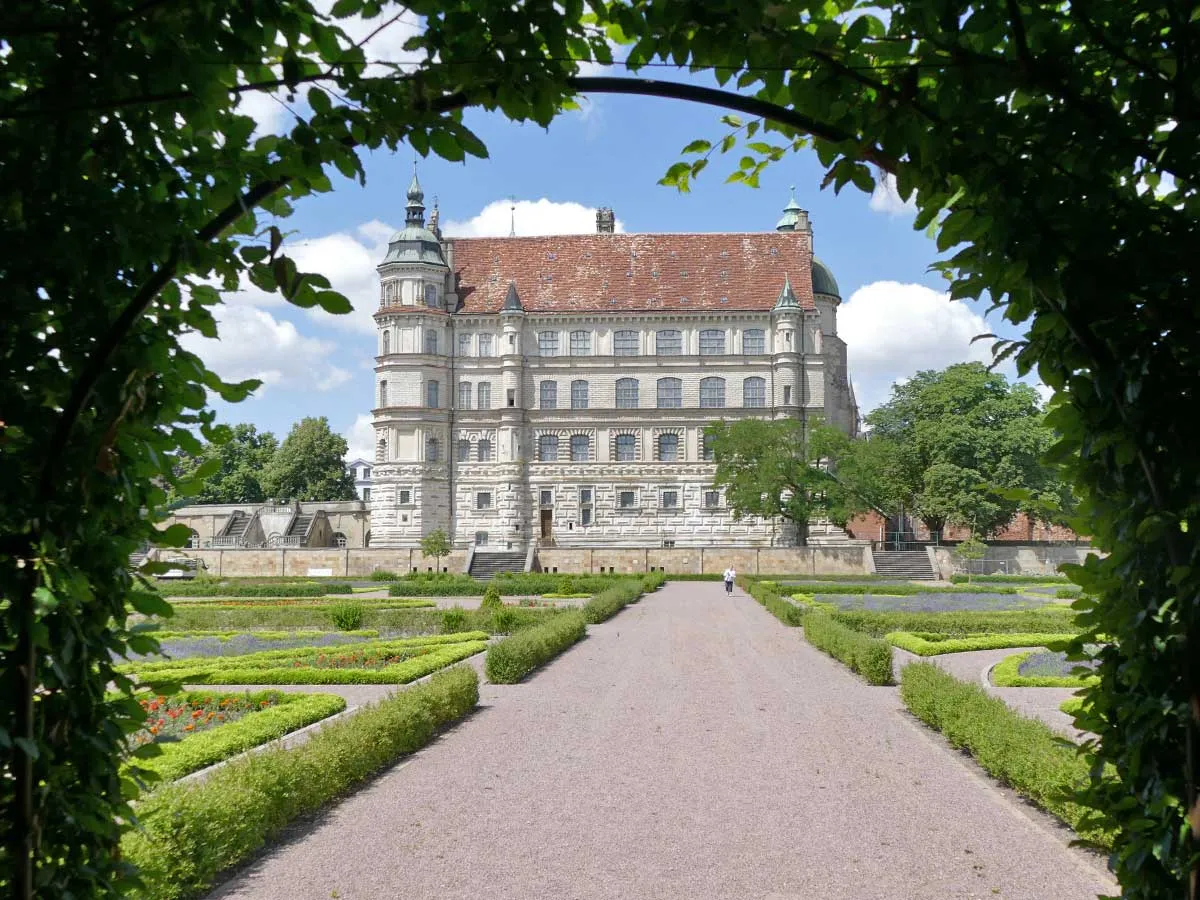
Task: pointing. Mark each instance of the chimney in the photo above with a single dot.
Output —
(605, 221)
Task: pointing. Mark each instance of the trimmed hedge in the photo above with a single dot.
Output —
(924, 643)
(869, 657)
(513, 658)
(302, 603)
(256, 589)
(565, 596)
(1023, 753)
(787, 579)
(516, 584)
(611, 601)
(1007, 673)
(904, 589)
(960, 623)
(291, 712)
(768, 596)
(190, 834)
(1009, 579)
(261, 635)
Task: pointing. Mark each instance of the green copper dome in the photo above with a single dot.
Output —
(791, 214)
(823, 281)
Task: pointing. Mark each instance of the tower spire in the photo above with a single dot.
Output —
(512, 216)
(415, 207)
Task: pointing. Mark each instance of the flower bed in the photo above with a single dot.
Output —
(256, 589)
(960, 623)
(304, 602)
(934, 644)
(945, 601)
(182, 645)
(1049, 668)
(905, 589)
(376, 662)
(196, 729)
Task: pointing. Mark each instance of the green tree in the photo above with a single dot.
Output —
(971, 549)
(309, 465)
(774, 469)
(437, 545)
(241, 455)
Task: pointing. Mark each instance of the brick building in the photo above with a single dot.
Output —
(555, 389)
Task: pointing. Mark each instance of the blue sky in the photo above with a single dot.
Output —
(895, 317)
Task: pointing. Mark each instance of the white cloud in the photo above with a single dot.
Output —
(266, 109)
(886, 198)
(254, 344)
(532, 217)
(388, 44)
(892, 330)
(360, 438)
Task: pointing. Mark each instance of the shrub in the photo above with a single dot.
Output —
(293, 711)
(1068, 593)
(868, 656)
(1008, 579)
(504, 621)
(612, 600)
(251, 589)
(454, 620)
(692, 576)
(190, 834)
(513, 658)
(1007, 673)
(1022, 753)
(934, 644)
(767, 594)
(384, 575)
(347, 616)
(491, 599)
(1047, 620)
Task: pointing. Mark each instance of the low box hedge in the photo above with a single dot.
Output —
(262, 635)
(960, 623)
(290, 713)
(255, 589)
(612, 600)
(302, 602)
(1023, 753)
(513, 658)
(1007, 673)
(187, 835)
(903, 589)
(869, 657)
(1009, 579)
(924, 643)
(768, 596)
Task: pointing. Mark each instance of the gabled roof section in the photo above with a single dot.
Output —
(632, 272)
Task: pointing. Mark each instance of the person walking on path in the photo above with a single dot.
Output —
(730, 574)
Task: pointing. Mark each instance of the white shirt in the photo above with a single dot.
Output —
(730, 575)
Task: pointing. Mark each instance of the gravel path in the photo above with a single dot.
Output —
(691, 747)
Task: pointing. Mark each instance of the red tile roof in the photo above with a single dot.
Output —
(633, 272)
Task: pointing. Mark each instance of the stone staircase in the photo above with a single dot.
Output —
(234, 532)
(912, 565)
(488, 565)
(138, 557)
(300, 525)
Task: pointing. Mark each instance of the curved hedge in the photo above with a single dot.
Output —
(924, 643)
(513, 658)
(1007, 673)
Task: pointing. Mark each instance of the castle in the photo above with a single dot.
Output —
(553, 391)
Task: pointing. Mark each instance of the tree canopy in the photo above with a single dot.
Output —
(309, 465)
(240, 459)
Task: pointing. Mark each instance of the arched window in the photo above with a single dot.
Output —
(754, 340)
(626, 343)
(431, 341)
(367, 539)
(431, 295)
(383, 398)
(754, 392)
(712, 342)
(548, 448)
(193, 540)
(712, 393)
(431, 394)
(339, 539)
(579, 395)
(433, 449)
(387, 342)
(580, 448)
(668, 342)
(485, 450)
(670, 393)
(581, 343)
(548, 395)
(668, 448)
(627, 393)
(464, 451)
(626, 447)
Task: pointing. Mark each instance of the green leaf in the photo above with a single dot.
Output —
(150, 604)
(333, 302)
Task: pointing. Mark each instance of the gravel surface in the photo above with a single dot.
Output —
(691, 747)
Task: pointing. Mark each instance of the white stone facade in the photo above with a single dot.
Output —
(564, 420)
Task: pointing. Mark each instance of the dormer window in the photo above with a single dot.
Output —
(431, 295)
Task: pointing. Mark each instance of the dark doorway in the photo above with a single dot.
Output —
(547, 524)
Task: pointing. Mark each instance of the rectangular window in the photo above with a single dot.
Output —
(485, 345)
(366, 493)
(670, 393)
(626, 447)
(431, 342)
(431, 394)
(585, 516)
(668, 448)
(585, 496)
(548, 343)
(548, 395)
(706, 447)
(579, 395)
(464, 395)
(712, 393)
(712, 499)
(512, 397)
(545, 499)
(484, 395)
(433, 450)
(483, 500)
(405, 497)
(464, 345)
(754, 340)
(670, 500)
(581, 343)
(464, 451)
(668, 544)
(627, 499)
(669, 343)
(627, 393)
(548, 448)
(626, 343)
(787, 395)
(481, 538)
(580, 448)
(754, 393)
(366, 472)
(485, 450)
(712, 342)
